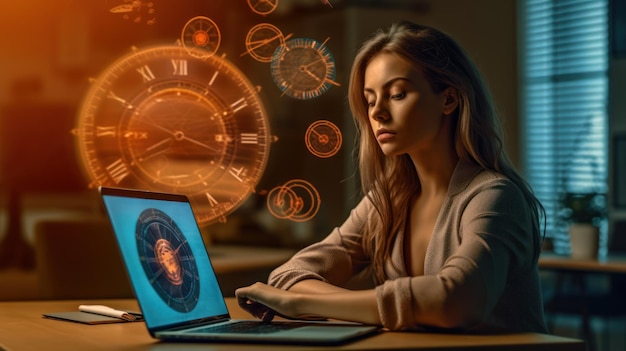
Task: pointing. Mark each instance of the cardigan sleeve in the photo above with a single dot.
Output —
(335, 259)
(494, 242)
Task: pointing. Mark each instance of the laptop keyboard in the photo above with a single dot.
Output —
(246, 327)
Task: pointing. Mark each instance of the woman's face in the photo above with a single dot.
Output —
(405, 115)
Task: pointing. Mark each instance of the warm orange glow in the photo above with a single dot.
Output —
(54, 51)
(167, 257)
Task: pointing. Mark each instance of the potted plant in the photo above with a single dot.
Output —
(584, 213)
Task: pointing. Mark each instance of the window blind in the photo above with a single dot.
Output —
(564, 68)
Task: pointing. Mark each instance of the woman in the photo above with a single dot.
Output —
(449, 229)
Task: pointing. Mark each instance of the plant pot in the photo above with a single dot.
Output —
(584, 239)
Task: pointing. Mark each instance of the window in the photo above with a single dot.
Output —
(564, 68)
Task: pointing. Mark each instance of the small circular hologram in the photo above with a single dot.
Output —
(303, 68)
(323, 139)
(263, 7)
(296, 200)
(201, 37)
(262, 41)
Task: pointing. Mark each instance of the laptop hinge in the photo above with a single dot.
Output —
(194, 323)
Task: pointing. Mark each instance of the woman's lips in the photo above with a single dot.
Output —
(383, 135)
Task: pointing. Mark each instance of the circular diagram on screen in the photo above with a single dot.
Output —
(167, 260)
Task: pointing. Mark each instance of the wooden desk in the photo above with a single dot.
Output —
(22, 327)
(610, 264)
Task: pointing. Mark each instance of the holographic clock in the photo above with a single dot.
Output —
(263, 7)
(303, 68)
(167, 260)
(323, 138)
(296, 200)
(163, 119)
(262, 41)
(201, 37)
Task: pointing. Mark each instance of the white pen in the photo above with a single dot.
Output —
(106, 311)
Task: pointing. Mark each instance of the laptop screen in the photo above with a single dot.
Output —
(165, 257)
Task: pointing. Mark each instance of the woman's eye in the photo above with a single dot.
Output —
(398, 96)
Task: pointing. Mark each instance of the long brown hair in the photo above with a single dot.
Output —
(391, 182)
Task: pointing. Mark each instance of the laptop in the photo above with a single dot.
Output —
(175, 284)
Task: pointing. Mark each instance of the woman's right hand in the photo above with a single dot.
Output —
(265, 302)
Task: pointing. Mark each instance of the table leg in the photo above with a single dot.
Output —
(552, 306)
(584, 311)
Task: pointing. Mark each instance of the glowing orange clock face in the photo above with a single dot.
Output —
(163, 119)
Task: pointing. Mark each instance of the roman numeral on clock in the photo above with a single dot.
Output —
(249, 138)
(118, 170)
(146, 73)
(180, 67)
(239, 104)
(211, 199)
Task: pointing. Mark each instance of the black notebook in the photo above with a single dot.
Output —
(86, 317)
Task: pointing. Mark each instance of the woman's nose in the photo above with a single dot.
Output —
(379, 112)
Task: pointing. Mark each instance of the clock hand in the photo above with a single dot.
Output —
(307, 71)
(154, 150)
(179, 135)
(330, 81)
(258, 43)
(304, 67)
(163, 128)
(179, 246)
(158, 144)
(199, 143)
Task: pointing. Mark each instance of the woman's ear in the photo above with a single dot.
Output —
(451, 101)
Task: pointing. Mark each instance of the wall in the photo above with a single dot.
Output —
(617, 122)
